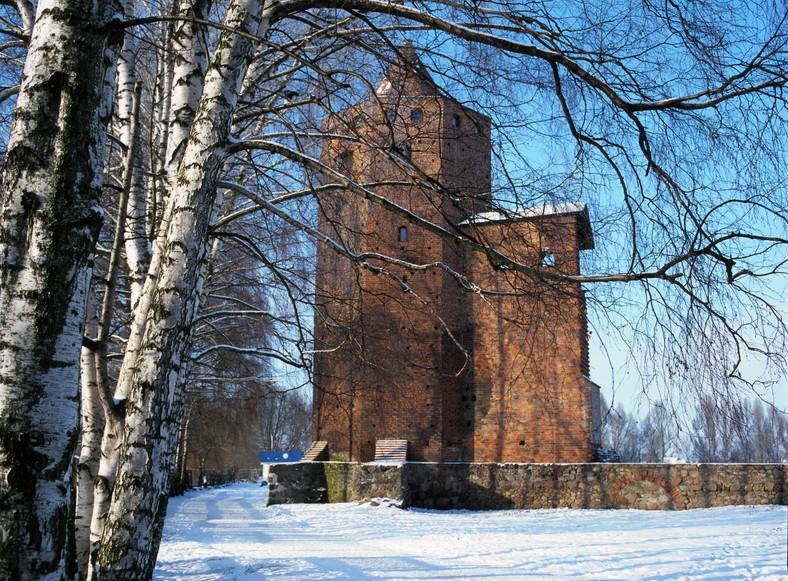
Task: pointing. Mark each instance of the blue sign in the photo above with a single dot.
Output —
(277, 457)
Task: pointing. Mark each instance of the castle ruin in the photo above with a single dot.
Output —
(434, 342)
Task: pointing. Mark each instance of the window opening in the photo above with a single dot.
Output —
(416, 115)
(403, 234)
(404, 149)
(546, 258)
(455, 121)
(344, 161)
(390, 114)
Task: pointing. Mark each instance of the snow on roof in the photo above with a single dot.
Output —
(535, 212)
(384, 87)
(585, 232)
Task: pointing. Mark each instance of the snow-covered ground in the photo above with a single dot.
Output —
(228, 533)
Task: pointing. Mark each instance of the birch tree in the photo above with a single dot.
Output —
(133, 527)
(740, 431)
(49, 220)
(136, 223)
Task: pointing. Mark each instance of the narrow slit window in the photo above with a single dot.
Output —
(403, 234)
(456, 121)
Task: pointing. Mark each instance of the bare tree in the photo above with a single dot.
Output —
(621, 432)
(659, 432)
(769, 436)
(236, 405)
(739, 431)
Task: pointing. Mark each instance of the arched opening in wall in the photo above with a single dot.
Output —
(403, 234)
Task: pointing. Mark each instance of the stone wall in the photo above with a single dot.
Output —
(508, 486)
(315, 482)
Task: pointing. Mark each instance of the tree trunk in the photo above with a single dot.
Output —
(27, 13)
(191, 62)
(135, 236)
(186, 85)
(133, 528)
(91, 429)
(113, 424)
(181, 104)
(49, 218)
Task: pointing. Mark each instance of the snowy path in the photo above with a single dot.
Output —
(228, 533)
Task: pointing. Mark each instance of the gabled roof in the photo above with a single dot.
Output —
(407, 76)
(585, 233)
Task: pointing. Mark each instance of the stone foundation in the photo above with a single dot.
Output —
(509, 486)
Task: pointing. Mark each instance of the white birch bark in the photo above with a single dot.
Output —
(186, 82)
(48, 221)
(190, 63)
(162, 95)
(136, 236)
(101, 425)
(132, 530)
(187, 85)
(92, 422)
(27, 13)
(113, 418)
(137, 245)
(165, 85)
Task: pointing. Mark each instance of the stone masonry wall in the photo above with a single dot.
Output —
(318, 482)
(519, 486)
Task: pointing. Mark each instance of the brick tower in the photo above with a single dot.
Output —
(403, 349)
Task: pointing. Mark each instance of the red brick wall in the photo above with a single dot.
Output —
(526, 399)
(408, 354)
